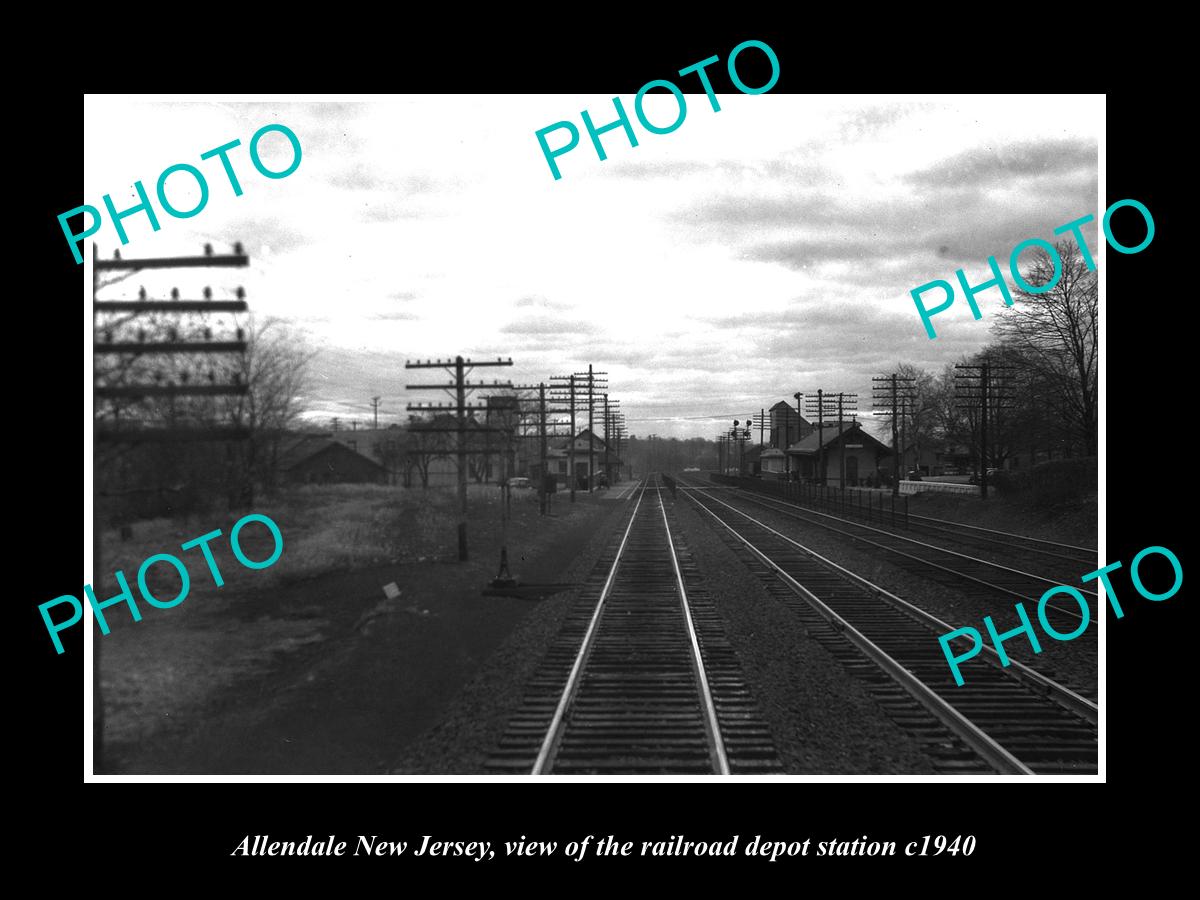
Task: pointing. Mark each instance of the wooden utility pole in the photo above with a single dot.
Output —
(375, 411)
(820, 404)
(977, 389)
(544, 426)
(890, 398)
(591, 430)
(618, 429)
(573, 389)
(458, 387)
(611, 412)
(176, 347)
(542, 496)
(571, 446)
(842, 410)
(821, 434)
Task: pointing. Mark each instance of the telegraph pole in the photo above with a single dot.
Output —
(821, 433)
(542, 446)
(842, 453)
(575, 391)
(375, 410)
(606, 475)
(887, 400)
(592, 387)
(570, 397)
(178, 347)
(787, 435)
(896, 460)
(821, 404)
(983, 423)
(543, 432)
(458, 387)
(571, 451)
(853, 401)
(461, 419)
(611, 412)
(618, 425)
(975, 388)
(820, 430)
(591, 433)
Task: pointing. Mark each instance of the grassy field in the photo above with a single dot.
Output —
(182, 671)
(325, 528)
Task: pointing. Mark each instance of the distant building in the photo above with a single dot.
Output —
(787, 425)
(558, 454)
(307, 459)
(385, 446)
(774, 463)
(863, 454)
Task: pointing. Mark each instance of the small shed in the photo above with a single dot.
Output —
(774, 463)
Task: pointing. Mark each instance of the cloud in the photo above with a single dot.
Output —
(921, 226)
(539, 326)
(540, 301)
(362, 177)
(1001, 164)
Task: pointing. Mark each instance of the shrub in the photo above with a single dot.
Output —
(1049, 483)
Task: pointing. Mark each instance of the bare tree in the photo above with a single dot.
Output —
(1055, 334)
(275, 368)
(427, 441)
(919, 420)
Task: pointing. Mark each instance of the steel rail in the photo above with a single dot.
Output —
(987, 747)
(710, 710)
(1022, 537)
(767, 501)
(555, 730)
(1063, 695)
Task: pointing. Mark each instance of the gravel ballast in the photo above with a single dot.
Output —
(824, 720)
(1073, 663)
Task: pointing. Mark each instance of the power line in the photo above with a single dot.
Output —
(458, 387)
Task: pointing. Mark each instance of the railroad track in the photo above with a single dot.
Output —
(940, 563)
(640, 678)
(1064, 558)
(1051, 551)
(1010, 720)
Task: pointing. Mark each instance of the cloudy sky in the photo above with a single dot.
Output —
(754, 252)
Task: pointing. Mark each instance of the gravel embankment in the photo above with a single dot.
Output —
(474, 721)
